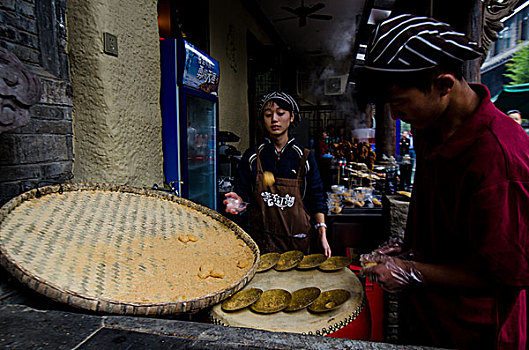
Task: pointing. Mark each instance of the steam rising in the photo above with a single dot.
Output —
(337, 63)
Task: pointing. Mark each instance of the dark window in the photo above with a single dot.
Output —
(189, 20)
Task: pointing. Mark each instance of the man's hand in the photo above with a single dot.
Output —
(391, 247)
(392, 274)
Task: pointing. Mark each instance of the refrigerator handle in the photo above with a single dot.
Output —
(173, 185)
(172, 188)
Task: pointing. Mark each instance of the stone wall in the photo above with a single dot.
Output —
(114, 131)
(117, 119)
(39, 152)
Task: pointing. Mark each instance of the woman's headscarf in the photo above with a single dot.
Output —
(283, 100)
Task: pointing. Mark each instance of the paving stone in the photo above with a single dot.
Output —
(23, 327)
(119, 339)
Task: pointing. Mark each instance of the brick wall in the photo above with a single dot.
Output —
(40, 152)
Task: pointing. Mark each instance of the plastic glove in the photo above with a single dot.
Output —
(391, 273)
(391, 246)
(234, 203)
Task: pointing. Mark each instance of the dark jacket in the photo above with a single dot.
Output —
(283, 165)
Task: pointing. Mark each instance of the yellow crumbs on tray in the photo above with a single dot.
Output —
(112, 245)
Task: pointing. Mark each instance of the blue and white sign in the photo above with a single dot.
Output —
(200, 70)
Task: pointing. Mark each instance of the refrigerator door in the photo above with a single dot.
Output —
(189, 120)
(200, 161)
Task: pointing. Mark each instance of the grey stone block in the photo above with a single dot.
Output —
(50, 112)
(16, 36)
(8, 33)
(24, 54)
(69, 147)
(8, 190)
(28, 39)
(41, 148)
(25, 9)
(11, 173)
(7, 147)
(59, 171)
(56, 92)
(17, 21)
(35, 126)
(28, 185)
(68, 113)
(8, 4)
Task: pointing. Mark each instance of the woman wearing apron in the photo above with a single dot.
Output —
(279, 210)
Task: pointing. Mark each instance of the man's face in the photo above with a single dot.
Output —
(517, 117)
(415, 107)
(276, 119)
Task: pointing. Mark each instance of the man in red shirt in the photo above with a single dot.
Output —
(464, 265)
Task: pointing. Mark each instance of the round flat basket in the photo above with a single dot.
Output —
(124, 250)
(303, 320)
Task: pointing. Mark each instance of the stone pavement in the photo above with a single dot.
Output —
(31, 321)
(22, 327)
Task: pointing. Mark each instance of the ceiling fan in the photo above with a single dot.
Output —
(303, 12)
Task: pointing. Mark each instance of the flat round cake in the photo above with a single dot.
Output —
(124, 250)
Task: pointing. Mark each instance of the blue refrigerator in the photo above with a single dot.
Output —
(189, 106)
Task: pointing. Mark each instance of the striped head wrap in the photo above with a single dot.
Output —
(408, 43)
(284, 100)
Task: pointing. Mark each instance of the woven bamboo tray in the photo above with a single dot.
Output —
(123, 250)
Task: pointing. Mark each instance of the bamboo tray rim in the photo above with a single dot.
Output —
(106, 305)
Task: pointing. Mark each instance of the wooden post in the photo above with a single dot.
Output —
(466, 17)
(474, 29)
(384, 132)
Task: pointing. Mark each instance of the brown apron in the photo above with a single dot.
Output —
(279, 220)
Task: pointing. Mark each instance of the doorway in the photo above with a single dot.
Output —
(264, 75)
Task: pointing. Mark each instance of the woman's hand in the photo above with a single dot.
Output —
(319, 218)
(322, 233)
(234, 203)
